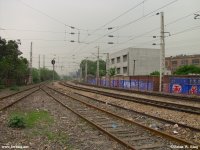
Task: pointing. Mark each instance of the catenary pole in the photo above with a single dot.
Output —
(98, 65)
(39, 69)
(86, 70)
(162, 50)
(30, 65)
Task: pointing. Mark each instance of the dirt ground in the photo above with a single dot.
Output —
(67, 131)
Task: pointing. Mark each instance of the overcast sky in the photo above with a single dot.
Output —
(47, 23)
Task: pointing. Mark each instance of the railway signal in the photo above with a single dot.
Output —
(53, 63)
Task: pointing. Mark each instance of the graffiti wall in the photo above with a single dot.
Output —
(189, 85)
(185, 85)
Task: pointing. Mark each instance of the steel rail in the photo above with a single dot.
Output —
(16, 101)
(152, 93)
(141, 113)
(156, 132)
(168, 105)
(1, 98)
(97, 126)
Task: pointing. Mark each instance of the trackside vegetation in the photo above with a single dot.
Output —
(14, 69)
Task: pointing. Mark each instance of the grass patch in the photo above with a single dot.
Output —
(39, 124)
(14, 88)
(51, 136)
(16, 122)
(2, 86)
(33, 118)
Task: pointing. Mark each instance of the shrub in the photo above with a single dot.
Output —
(2, 86)
(16, 122)
(14, 88)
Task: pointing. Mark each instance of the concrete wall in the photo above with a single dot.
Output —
(146, 60)
(122, 64)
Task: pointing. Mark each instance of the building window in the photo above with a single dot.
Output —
(195, 61)
(124, 70)
(118, 70)
(125, 58)
(184, 62)
(118, 59)
(113, 60)
(174, 63)
(166, 63)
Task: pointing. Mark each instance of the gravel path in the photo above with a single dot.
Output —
(70, 131)
(7, 91)
(180, 117)
(172, 100)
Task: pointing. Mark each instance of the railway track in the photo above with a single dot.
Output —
(10, 100)
(168, 95)
(131, 134)
(140, 113)
(1, 98)
(168, 105)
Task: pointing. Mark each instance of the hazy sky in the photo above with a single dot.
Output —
(47, 24)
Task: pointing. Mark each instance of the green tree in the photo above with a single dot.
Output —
(188, 69)
(92, 67)
(45, 75)
(112, 72)
(12, 66)
(35, 75)
(155, 73)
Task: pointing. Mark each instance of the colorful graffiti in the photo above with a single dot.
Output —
(178, 85)
(185, 85)
(130, 84)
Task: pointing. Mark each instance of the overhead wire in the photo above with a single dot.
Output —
(127, 11)
(121, 15)
(53, 18)
(134, 21)
(170, 23)
(186, 30)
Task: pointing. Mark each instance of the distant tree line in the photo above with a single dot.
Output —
(188, 69)
(92, 67)
(43, 74)
(14, 69)
(182, 70)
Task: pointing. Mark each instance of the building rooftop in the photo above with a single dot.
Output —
(186, 56)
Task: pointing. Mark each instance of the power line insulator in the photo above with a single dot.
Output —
(110, 36)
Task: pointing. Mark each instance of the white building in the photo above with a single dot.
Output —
(135, 61)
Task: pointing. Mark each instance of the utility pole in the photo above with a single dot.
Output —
(97, 66)
(134, 67)
(86, 70)
(30, 65)
(78, 36)
(43, 61)
(39, 68)
(162, 50)
(80, 73)
(128, 64)
(107, 65)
